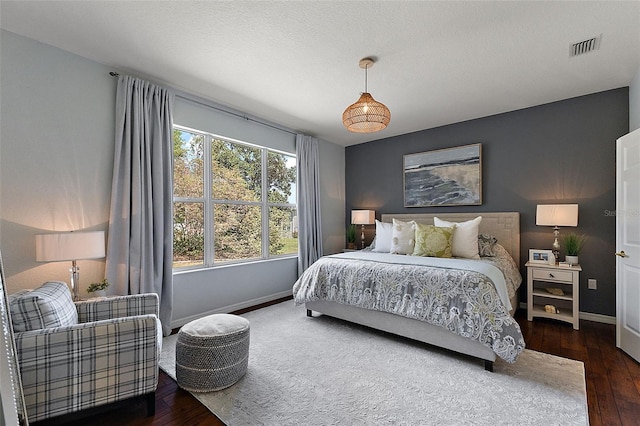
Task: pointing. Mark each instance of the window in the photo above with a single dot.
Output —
(245, 211)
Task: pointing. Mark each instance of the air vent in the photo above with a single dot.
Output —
(585, 46)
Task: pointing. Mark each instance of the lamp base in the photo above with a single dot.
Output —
(75, 281)
(556, 243)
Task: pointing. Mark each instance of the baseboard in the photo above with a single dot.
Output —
(587, 316)
(176, 323)
(606, 319)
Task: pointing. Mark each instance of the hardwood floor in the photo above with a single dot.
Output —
(612, 379)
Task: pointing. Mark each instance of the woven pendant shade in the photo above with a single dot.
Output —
(366, 115)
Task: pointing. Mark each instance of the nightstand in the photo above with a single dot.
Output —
(556, 286)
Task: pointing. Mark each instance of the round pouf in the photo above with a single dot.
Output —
(212, 353)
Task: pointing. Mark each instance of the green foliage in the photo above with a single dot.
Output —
(280, 176)
(351, 234)
(573, 243)
(102, 285)
(236, 185)
(188, 164)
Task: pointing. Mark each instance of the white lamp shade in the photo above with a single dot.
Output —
(557, 215)
(69, 246)
(363, 217)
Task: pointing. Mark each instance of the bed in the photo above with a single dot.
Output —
(493, 332)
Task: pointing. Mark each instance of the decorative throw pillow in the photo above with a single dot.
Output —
(403, 237)
(465, 237)
(50, 305)
(486, 244)
(384, 234)
(433, 241)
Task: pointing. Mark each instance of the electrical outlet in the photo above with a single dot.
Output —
(593, 284)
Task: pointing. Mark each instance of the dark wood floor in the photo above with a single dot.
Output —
(613, 381)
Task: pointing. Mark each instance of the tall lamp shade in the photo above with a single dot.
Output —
(363, 217)
(71, 246)
(557, 215)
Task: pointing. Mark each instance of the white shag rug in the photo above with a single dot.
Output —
(323, 371)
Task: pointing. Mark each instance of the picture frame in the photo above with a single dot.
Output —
(443, 177)
(542, 256)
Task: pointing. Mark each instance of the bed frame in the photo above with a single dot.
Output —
(504, 226)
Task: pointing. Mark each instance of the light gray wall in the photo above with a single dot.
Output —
(562, 152)
(634, 102)
(228, 288)
(56, 159)
(57, 153)
(198, 114)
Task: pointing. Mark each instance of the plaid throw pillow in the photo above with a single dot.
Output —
(50, 305)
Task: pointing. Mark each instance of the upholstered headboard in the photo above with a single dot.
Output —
(505, 226)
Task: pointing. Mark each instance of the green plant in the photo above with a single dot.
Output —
(351, 234)
(573, 243)
(102, 285)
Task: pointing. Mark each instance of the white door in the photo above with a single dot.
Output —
(628, 244)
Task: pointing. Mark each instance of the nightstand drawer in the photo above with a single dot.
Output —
(555, 275)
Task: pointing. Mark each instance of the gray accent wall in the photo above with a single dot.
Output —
(634, 102)
(562, 152)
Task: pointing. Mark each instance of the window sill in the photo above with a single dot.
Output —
(237, 264)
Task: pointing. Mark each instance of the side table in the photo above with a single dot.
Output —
(556, 286)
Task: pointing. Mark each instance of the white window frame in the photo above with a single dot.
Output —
(209, 202)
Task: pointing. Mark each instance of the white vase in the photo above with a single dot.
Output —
(571, 260)
(99, 293)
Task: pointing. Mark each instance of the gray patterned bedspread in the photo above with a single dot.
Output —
(445, 292)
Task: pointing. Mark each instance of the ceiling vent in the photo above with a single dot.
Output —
(585, 46)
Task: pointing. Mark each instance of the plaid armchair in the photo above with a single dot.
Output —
(77, 356)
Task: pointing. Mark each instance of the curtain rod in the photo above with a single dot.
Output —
(235, 114)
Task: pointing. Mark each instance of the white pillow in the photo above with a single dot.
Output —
(465, 237)
(403, 237)
(384, 234)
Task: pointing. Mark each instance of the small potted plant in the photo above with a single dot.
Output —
(98, 289)
(351, 237)
(573, 245)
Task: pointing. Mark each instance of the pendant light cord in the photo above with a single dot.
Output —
(366, 67)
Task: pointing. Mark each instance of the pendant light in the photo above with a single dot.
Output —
(366, 115)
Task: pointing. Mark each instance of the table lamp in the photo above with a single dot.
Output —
(71, 246)
(557, 215)
(363, 217)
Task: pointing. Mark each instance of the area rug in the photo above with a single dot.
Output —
(321, 371)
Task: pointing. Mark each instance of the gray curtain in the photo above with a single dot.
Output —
(309, 220)
(140, 243)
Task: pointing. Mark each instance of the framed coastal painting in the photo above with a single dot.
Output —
(444, 177)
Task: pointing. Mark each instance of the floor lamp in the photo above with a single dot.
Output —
(71, 246)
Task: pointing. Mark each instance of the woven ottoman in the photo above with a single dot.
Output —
(212, 353)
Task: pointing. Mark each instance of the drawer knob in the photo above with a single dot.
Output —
(551, 275)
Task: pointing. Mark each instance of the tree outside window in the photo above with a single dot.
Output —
(245, 211)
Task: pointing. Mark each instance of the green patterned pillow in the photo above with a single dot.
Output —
(433, 241)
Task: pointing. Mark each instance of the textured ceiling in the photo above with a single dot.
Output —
(295, 63)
